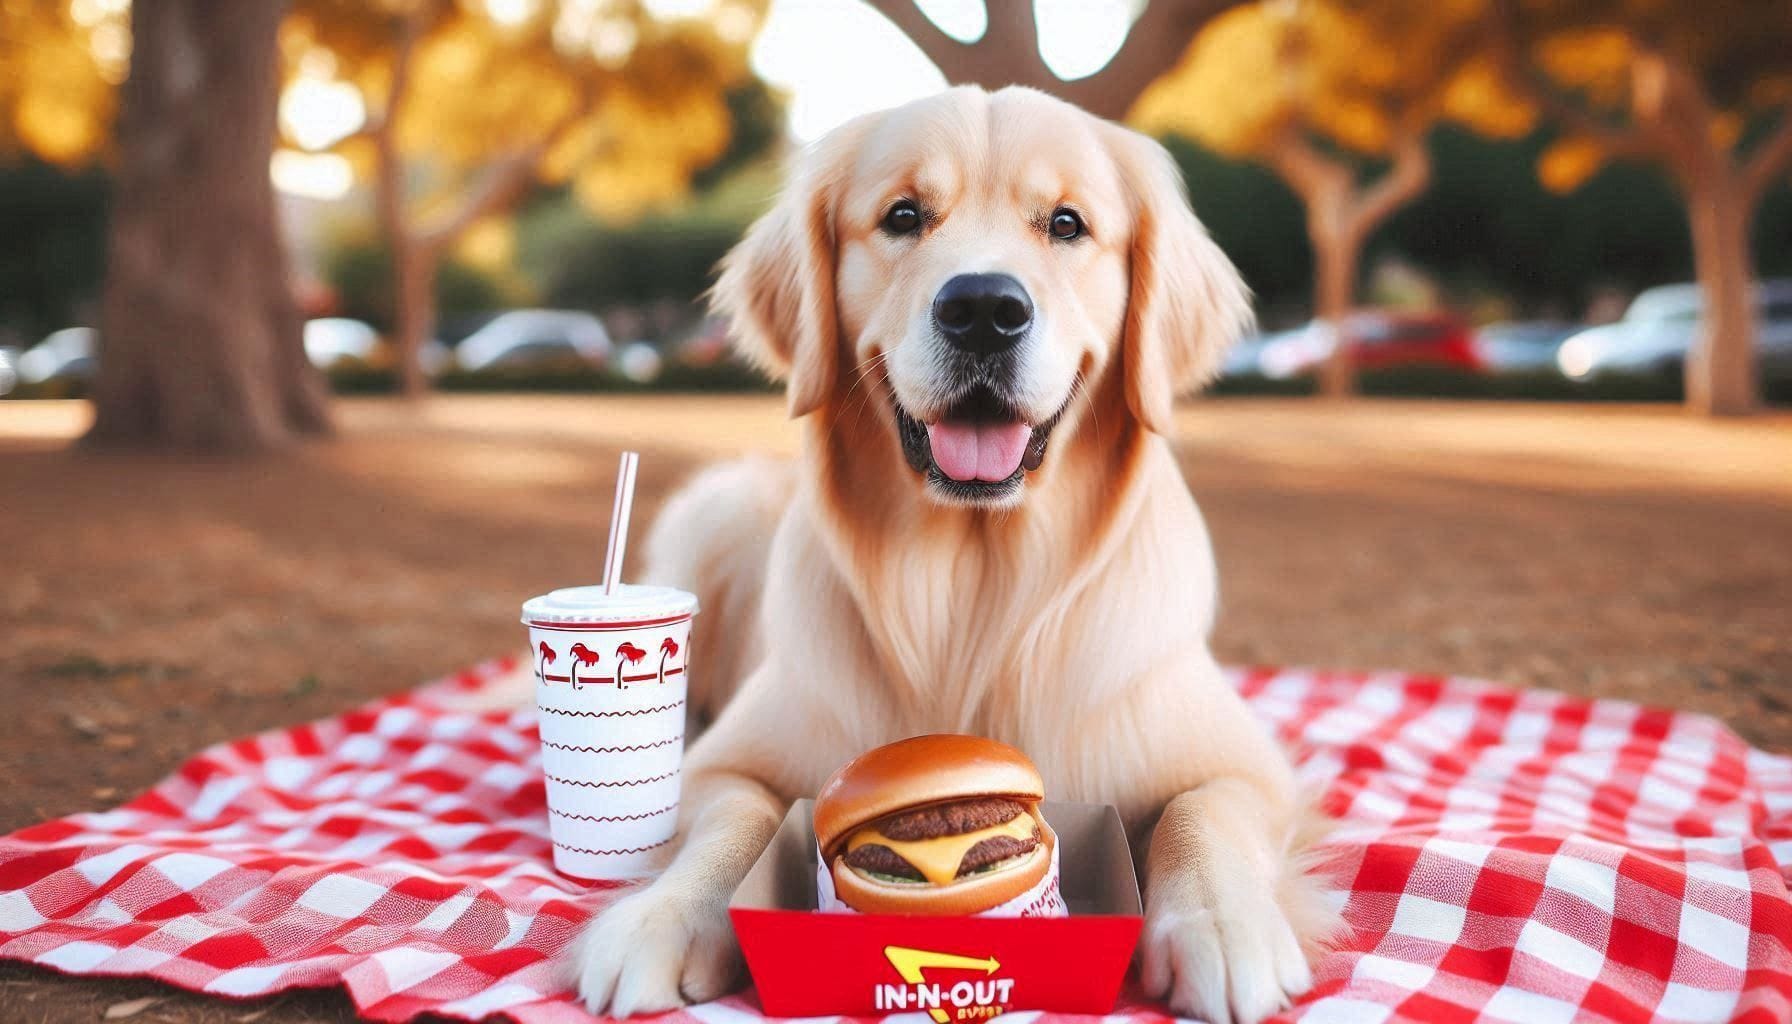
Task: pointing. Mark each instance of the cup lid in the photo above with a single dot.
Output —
(631, 602)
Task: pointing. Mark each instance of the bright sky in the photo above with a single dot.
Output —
(836, 58)
(839, 58)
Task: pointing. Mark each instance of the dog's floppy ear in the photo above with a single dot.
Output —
(777, 283)
(1187, 302)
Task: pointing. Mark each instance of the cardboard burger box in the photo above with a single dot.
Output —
(805, 963)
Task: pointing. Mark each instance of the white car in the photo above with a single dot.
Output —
(70, 353)
(336, 339)
(1521, 346)
(640, 362)
(1245, 358)
(1284, 355)
(534, 338)
(1660, 327)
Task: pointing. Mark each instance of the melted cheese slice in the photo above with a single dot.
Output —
(938, 859)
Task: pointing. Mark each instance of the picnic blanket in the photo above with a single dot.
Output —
(1505, 855)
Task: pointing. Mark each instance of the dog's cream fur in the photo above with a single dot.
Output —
(846, 606)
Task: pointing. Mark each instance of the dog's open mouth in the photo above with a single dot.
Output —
(979, 450)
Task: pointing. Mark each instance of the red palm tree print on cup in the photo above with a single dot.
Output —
(581, 655)
(668, 648)
(627, 654)
(548, 657)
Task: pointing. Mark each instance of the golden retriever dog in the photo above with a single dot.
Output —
(983, 305)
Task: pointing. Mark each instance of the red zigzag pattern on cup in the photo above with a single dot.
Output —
(610, 714)
(614, 750)
(631, 849)
(610, 782)
(612, 817)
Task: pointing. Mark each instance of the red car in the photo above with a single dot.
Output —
(1378, 340)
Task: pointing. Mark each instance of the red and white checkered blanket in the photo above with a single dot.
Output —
(1509, 855)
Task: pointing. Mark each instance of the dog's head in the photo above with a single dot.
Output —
(984, 261)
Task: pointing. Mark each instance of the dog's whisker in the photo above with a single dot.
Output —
(865, 396)
(860, 372)
(1079, 388)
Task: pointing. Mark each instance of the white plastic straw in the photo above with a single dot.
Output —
(625, 500)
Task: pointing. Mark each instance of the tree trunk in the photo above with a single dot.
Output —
(1720, 369)
(413, 262)
(414, 320)
(1335, 256)
(201, 340)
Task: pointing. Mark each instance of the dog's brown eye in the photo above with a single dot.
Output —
(903, 218)
(1066, 225)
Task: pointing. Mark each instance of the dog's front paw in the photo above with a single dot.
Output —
(653, 951)
(1235, 959)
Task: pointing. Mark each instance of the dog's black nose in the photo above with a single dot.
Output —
(983, 313)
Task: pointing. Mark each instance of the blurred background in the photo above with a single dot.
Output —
(1523, 271)
(1487, 198)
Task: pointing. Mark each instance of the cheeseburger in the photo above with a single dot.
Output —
(934, 825)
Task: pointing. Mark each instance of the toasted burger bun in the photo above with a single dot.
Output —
(915, 772)
(918, 772)
(964, 896)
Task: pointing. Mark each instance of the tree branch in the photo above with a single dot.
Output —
(1320, 180)
(1011, 42)
(1157, 40)
(503, 180)
(1768, 160)
(1402, 183)
(956, 60)
(398, 81)
(1529, 83)
(1008, 52)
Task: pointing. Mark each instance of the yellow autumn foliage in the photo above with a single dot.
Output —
(1569, 162)
(1339, 71)
(1607, 57)
(1223, 92)
(57, 77)
(1595, 61)
(488, 77)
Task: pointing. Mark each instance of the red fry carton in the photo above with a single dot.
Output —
(805, 963)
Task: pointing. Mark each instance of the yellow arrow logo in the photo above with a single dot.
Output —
(909, 963)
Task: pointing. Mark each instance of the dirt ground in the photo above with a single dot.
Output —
(149, 607)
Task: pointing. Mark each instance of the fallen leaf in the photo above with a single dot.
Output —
(247, 1018)
(84, 725)
(119, 1011)
(119, 741)
(105, 792)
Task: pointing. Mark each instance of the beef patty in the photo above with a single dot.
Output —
(949, 819)
(945, 820)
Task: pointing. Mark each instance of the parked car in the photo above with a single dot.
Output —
(333, 340)
(704, 344)
(1379, 339)
(639, 362)
(1245, 359)
(536, 339)
(9, 368)
(1525, 346)
(1660, 327)
(68, 354)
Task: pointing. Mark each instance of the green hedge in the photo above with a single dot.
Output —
(1437, 382)
(730, 377)
(719, 379)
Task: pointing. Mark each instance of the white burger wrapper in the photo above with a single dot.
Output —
(1044, 899)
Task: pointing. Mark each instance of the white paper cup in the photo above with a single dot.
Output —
(610, 683)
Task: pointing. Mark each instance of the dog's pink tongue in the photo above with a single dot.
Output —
(978, 451)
